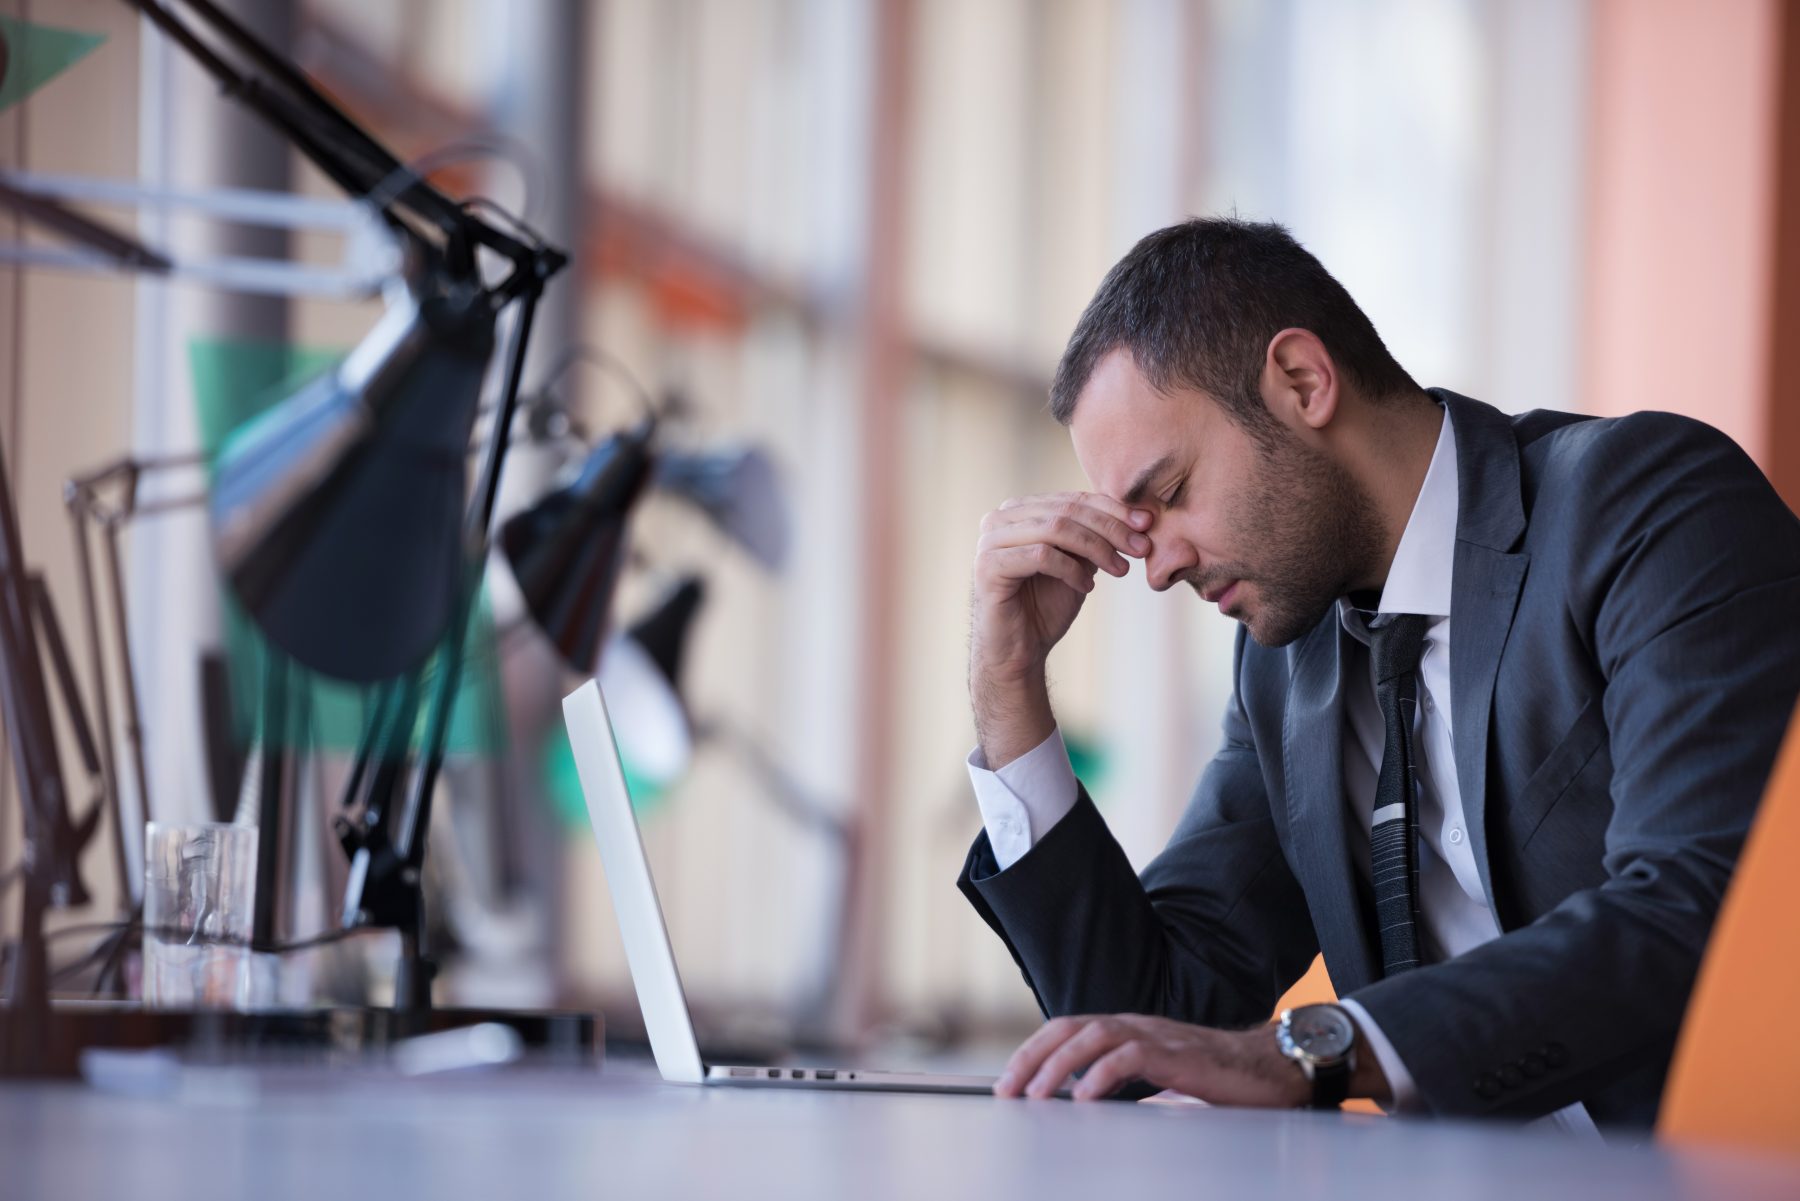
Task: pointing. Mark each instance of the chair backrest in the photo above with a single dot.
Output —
(1736, 1074)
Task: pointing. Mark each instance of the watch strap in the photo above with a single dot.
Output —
(1331, 1083)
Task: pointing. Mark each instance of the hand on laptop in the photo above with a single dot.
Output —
(1225, 1067)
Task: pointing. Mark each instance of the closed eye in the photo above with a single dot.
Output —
(1175, 495)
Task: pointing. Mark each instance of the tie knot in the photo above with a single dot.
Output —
(1397, 645)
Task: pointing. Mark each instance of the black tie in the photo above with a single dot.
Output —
(1394, 650)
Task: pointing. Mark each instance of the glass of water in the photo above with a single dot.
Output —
(199, 894)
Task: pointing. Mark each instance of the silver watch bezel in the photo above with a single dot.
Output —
(1309, 1060)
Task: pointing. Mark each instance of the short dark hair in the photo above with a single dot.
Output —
(1196, 305)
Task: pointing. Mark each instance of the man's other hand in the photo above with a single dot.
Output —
(1225, 1067)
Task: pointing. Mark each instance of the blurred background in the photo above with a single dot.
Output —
(854, 234)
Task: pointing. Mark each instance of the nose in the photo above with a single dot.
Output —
(1168, 560)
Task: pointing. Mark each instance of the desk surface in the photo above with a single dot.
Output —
(338, 1137)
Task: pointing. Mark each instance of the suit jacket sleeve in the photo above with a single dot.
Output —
(1685, 585)
(1214, 931)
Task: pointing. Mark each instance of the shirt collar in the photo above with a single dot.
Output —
(1419, 579)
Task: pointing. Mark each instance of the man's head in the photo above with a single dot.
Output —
(1222, 379)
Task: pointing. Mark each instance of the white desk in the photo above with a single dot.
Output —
(519, 1135)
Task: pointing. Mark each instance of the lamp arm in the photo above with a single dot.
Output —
(348, 154)
(415, 816)
(121, 249)
(90, 613)
(387, 864)
(78, 492)
(296, 82)
(64, 670)
(250, 206)
(371, 255)
(323, 132)
(87, 506)
(251, 92)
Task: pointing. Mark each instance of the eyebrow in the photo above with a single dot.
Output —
(1139, 486)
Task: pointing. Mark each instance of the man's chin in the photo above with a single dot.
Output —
(1272, 640)
(1269, 625)
(1273, 629)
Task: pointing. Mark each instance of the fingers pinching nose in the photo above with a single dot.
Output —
(1140, 519)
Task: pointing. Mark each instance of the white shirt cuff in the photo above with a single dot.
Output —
(1023, 800)
(1400, 1081)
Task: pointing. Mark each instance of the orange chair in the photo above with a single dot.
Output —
(1736, 1074)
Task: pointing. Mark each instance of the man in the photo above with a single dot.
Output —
(1510, 692)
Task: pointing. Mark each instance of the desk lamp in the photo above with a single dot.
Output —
(640, 673)
(567, 553)
(339, 516)
(567, 550)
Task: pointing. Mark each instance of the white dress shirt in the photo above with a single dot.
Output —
(1028, 796)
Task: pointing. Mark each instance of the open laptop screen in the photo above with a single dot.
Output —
(641, 926)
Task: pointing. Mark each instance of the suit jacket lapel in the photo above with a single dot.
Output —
(1486, 594)
(1312, 739)
(1485, 583)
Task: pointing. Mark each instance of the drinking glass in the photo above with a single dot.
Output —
(199, 894)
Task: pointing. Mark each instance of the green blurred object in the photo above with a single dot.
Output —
(1089, 758)
(235, 379)
(33, 55)
(563, 783)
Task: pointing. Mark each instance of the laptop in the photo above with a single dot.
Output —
(646, 936)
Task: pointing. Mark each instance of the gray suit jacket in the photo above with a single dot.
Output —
(1624, 658)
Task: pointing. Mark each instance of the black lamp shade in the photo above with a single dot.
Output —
(739, 491)
(338, 515)
(640, 674)
(567, 550)
(663, 632)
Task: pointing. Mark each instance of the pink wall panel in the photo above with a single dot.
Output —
(1681, 211)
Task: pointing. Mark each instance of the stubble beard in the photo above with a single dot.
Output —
(1313, 528)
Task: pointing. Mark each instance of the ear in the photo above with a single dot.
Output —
(1299, 381)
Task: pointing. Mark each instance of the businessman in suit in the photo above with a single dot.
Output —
(1504, 699)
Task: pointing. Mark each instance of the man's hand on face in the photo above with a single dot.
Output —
(1225, 1067)
(1034, 565)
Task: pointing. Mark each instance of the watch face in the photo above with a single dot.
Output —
(1322, 1032)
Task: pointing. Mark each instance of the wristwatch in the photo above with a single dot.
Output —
(1322, 1040)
